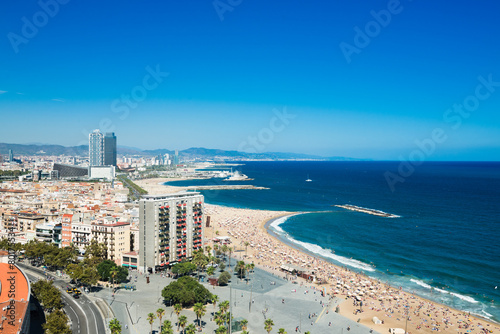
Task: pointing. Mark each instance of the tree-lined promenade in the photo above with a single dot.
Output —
(185, 292)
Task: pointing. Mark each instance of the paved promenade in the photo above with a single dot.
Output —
(289, 305)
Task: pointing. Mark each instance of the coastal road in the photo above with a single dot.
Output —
(83, 313)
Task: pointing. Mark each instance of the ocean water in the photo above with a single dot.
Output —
(445, 245)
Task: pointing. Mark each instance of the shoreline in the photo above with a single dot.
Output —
(266, 226)
(426, 316)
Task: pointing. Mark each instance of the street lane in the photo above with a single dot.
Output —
(84, 314)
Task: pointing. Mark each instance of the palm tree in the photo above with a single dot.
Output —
(160, 313)
(219, 318)
(177, 310)
(307, 332)
(200, 310)
(268, 325)
(151, 318)
(240, 266)
(190, 329)
(200, 260)
(224, 306)
(115, 327)
(215, 299)
(246, 243)
(113, 273)
(210, 271)
(248, 267)
(221, 330)
(167, 328)
(281, 331)
(244, 324)
(182, 322)
(208, 249)
(230, 250)
(224, 250)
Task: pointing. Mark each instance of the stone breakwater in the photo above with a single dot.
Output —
(368, 211)
(230, 187)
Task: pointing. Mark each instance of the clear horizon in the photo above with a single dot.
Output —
(382, 80)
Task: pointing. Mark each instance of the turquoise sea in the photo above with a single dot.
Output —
(443, 246)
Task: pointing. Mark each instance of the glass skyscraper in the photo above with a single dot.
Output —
(110, 149)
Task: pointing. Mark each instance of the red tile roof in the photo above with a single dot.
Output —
(14, 297)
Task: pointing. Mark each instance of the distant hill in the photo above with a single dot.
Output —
(188, 154)
(20, 149)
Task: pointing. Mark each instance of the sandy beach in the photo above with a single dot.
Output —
(388, 304)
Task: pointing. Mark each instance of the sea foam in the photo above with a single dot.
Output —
(275, 225)
(459, 296)
(328, 254)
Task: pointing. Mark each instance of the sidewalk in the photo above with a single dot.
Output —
(288, 305)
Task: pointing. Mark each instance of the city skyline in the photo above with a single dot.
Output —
(373, 80)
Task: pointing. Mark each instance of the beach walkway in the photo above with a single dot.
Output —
(289, 305)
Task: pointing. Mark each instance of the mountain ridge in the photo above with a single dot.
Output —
(190, 153)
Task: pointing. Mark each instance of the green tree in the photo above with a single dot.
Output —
(182, 322)
(224, 306)
(167, 328)
(224, 249)
(115, 326)
(244, 324)
(113, 273)
(229, 250)
(56, 323)
(160, 313)
(104, 269)
(281, 331)
(151, 319)
(48, 295)
(248, 268)
(95, 253)
(219, 318)
(200, 261)
(214, 300)
(89, 275)
(210, 271)
(177, 310)
(208, 249)
(268, 325)
(74, 271)
(240, 269)
(246, 243)
(190, 329)
(183, 268)
(200, 310)
(221, 330)
(224, 278)
(186, 291)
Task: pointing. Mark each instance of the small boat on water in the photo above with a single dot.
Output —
(308, 179)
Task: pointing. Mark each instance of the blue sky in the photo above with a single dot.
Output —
(233, 68)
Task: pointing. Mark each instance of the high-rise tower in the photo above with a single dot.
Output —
(96, 148)
(110, 149)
